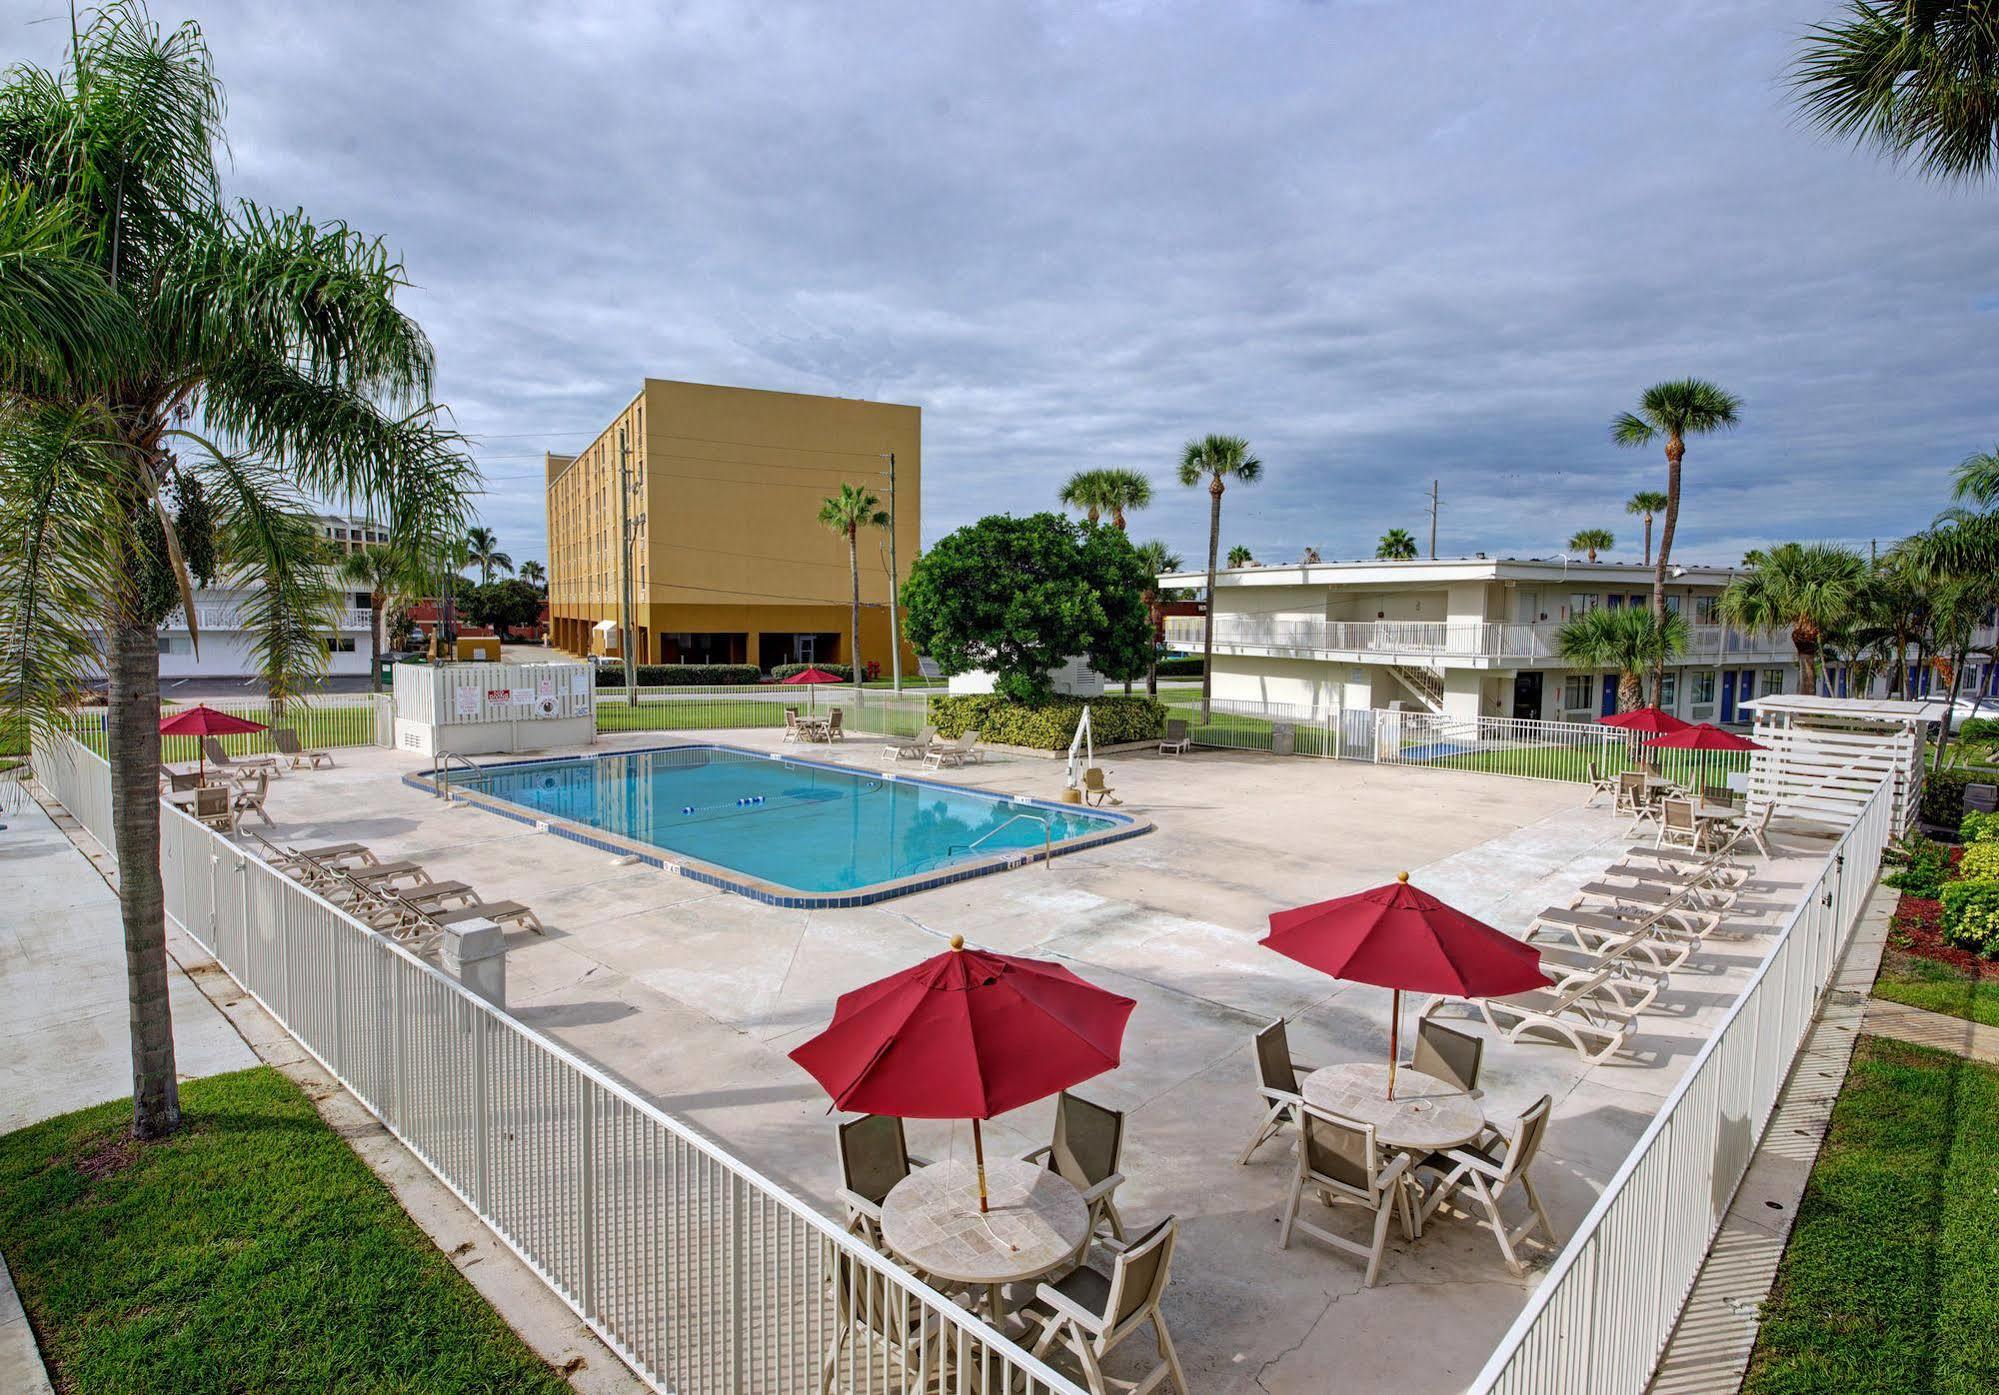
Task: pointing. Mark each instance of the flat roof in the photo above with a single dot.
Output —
(1886, 709)
(1443, 570)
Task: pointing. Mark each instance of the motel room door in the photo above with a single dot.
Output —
(1527, 695)
(1609, 703)
(1727, 695)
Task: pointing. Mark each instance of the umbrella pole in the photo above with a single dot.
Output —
(979, 1152)
(1394, 1041)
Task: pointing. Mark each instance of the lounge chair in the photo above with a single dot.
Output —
(237, 767)
(499, 912)
(1657, 939)
(1176, 741)
(1093, 785)
(249, 799)
(1091, 1312)
(438, 896)
(383, 876)
(1694, 919)
(1634, 981)
(958, 752)
(1340, 1160)
(1276, 1085)
(1489, 1167)
(1719, 864)
(1084, 1152)
(1582, 1013)
(301, 756)
(1448, 1055)
(1710, 876)
(874, 1156)
(912, 748)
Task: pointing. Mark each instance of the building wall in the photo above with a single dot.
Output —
(728, 483)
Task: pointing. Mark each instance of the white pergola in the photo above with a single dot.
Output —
(1825, 755)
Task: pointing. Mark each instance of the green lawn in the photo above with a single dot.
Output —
(1890, 1283)
(1945, 988)
(321, 725)
(251, 1252)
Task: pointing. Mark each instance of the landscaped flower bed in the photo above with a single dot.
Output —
(1943, 954)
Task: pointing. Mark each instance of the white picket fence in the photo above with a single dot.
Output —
(1601, 1317)
(699, 1272)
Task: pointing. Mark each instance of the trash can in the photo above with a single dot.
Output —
(1283, 738)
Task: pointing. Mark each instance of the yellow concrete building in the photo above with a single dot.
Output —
(730, 563)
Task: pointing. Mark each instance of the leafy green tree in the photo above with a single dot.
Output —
(1159, 560)
(1646, 504)
(482, 550)
(534, 574)
(1591, 541)
(1396, 545)
(1022, 596)
(1917, 80)
(1217, 460)
(385, 572)
(1808, 589)
(1627, 639)
(152, 334)
(504, 605)
(1239, 556)
(846, 513)
(1671, 412)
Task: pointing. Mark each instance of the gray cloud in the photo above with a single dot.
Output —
(1387, 243)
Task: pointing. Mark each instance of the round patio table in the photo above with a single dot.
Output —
(1427, 1115)
(1036, 1221)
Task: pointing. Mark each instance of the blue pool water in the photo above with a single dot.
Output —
(810, 827)
(1436, 750)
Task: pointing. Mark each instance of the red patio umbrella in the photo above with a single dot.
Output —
(965, 1035)
(1705, 736)
(1397, 937)
(1651, 719)
(812, 675)
(203, 720)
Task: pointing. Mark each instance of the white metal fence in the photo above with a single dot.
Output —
(1600, 1319)
(699, 1272)
(873, 711)
(1491, 745)
(322, 723)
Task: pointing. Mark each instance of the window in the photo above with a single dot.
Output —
(1704, 610)
(1704, 688)
(1580, 603)
(340, 644)
(176, 644)
(1613, 602)
(1773, 680)
(1672, 605)
(1669, 691)
(1576, 693)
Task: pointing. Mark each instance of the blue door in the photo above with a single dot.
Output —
(1728, 695)
(1609, 704)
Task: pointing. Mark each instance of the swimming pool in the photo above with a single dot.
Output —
(788, 831)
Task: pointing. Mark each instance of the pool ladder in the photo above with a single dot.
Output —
(1047, 843)
(440, 771)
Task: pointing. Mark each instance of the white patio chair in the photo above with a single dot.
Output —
(1340, 1160)
(1679, 824)
(1276, 1085)
(1489, 1167)
(1085, 1151)
(1091, 1312)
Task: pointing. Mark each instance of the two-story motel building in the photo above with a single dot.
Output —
(729, 562)
(1465, 637)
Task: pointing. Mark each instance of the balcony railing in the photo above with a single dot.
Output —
(1405, 639)
(220, 618)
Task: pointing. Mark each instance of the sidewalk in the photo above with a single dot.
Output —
(1937, 1030)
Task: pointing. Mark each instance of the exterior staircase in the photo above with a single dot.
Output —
(1422, 682)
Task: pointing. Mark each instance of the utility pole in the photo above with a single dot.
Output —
(625, 566)
(1433, 519)
(894, 577)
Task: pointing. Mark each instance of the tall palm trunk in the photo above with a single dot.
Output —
(132, 721)
(375, 625)
(854, 570)
(1648, 539)
(1676, 450)
(1805, 639)
(1630, 689)
(1152, 649)
(1208, 630)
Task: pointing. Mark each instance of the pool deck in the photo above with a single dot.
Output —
(694, 995)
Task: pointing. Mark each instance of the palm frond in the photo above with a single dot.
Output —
(61, 323)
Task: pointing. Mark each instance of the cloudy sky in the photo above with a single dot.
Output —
(1387, 242)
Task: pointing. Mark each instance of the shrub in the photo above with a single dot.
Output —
(1980, 863)
(1050, 724)
(1924, 867)
(1943, 798)
(1979, 731)
(1180, 668)
(681, 675)
(1979, 828)
(844, 672)
(1971, 916)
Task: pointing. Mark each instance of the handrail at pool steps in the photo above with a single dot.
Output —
(697, 1270)
(1047, 839)
(440, 771)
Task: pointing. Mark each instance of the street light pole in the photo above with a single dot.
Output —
(894, 578)
(625, 566)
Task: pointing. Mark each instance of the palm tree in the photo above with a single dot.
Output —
(1239, 556)
(1976, 480)
(482, 550)
(1644, 504)
(152, 336)
(384, 571)
(1914, 79)
(1592, 541)
(1123, 491)
(1626, 639)
(1216, 459)
(1396, 545)
(1809, 589)
(846, 513)
(533, 573)
(1310, 557)
(1159, 559)
(1957, 559)
(1673, 411)
(1084, 490)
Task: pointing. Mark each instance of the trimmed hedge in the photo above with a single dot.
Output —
(682, 675)
(844, 672)
(1971, 916)
(1049, 725)
(1179, 668)
(1980, 863)
(1943, 798)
